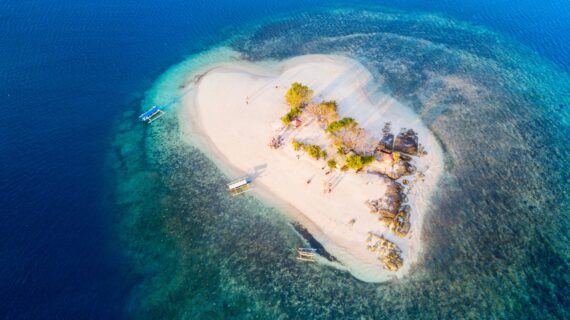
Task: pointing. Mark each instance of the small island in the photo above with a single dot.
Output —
(352, 165)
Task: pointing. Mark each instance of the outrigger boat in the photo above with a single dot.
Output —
(306, 254)
(239, 186)
(151, 114)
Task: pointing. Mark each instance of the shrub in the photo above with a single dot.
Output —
(366, 160)
(313, 151)
(324, 112)
(331, 164)
(329, 106)
(358, 162)
(342, 123)
(296, 145)
(298, 94)
(294, 112)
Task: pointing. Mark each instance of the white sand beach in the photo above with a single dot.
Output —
(234, 110)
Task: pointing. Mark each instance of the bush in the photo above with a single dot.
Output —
(342, 123)
(331, 164)
(366, 160)
(330, 106)
(324, 112)
(314, 151)
(358, 162)
(296, 145)
(292, 114)
(298, 94)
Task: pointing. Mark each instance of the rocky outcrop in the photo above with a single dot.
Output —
(393, 214)
(388, 252)
(396, 170)
(386, 143)
(388, 205)
(406, 141)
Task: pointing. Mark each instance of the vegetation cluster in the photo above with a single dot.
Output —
(313, 150)
(296, 97)
(345, 133)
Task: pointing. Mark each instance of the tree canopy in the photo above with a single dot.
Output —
(356, 162)
(315, 151)
(330, 106)
(287, 118)
(298, 94)
(324, 112)
(296, 144)
(342, 123)
(331, 164)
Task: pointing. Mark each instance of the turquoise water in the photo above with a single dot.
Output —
(496, 237)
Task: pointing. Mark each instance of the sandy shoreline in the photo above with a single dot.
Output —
(234, 132)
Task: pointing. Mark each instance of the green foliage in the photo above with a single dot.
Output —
(366, 160)
(358, 162)
(298, 94)
(330, 106)
(314, 151)
(342, 123)
(324, 112)
(331, 164)
(297, 145)
(294, 112)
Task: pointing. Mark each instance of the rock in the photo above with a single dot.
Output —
(403, 168)
(396, 171)
(407, 142)
(386, 142)
(388, 206)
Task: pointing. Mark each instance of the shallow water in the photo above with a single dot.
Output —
(496, 240)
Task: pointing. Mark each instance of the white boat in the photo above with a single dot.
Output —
(239, 186)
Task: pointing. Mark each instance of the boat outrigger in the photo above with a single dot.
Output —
(306, 254)
(151, 114)
(240, 186)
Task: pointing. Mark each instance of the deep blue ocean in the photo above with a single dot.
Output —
(70, 69)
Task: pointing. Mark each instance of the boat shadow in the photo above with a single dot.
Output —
(257, 171)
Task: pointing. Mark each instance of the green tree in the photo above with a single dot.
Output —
(342, 123)
(314, 151)
(287, 118)
(357, 162)
(297, 145)
(331, 164)
(298, 94)
(329, 106)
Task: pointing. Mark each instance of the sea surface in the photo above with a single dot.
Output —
(106, 218)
